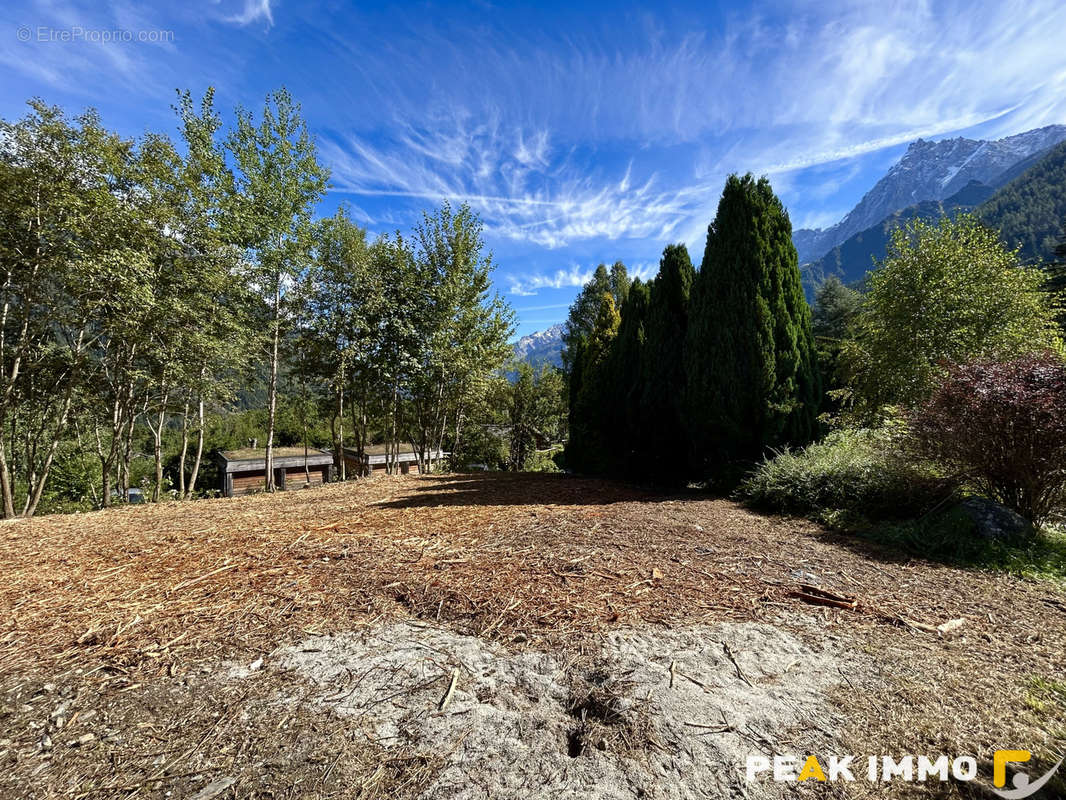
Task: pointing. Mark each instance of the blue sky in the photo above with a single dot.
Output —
(580, 132)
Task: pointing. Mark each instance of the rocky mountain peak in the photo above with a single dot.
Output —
(542, 347)
(929, 170)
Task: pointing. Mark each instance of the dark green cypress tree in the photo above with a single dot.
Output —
(622, 410)
(750, 357)
(575, 444)
(588, 447)
(664, 454)
(1056, 283)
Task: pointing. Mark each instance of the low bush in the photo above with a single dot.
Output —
(856, 471)
(950, 537)
(544, 460)
(481, 447)
(1001, 426)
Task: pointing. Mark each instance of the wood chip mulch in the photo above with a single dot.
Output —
(117, 628)
(514, 557)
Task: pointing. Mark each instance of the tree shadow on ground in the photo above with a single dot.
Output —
(527, 489)
(934, 545)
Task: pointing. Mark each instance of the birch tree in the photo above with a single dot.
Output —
(464, 325)
(277, 184)
(337, 331)
(67, 271)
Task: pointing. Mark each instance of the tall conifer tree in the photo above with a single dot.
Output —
(663, 431)
(750, 358)
(624, 415)
(589, 436)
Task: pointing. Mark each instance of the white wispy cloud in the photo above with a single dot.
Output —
(97, 51)
(820, 219)
(621, 132)
(523, 190)
(253, 11)
(550, 307)
(505, 128)
(573, 276)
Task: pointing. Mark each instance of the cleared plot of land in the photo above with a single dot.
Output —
(173, 647)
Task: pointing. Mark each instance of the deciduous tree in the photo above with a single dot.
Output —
(949, 292)
(278, 183)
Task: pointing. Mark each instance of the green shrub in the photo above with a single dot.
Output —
(948, 291)
(543, 461)
(855, 471)
(480, 446)
(72, 484)
(856, 482)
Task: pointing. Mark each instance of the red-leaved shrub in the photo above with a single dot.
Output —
(1003, 427)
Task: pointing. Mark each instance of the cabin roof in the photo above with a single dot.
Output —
(248, 458)
(259, 453)
(379, 449)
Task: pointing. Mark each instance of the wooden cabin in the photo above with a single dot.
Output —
(244, 471)
(373, 460)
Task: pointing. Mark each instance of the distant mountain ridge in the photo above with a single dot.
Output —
(852, 259)
(929, 171)
(1026, 204)
(542, 347)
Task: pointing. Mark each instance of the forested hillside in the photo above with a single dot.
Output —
(853, 259)
(1029, 211)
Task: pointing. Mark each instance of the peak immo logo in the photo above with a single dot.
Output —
(1023, 786)
(885, 769)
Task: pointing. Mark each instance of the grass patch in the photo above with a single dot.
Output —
(545, 460)
(951, 538)
(1045, 699)
(1044, 558)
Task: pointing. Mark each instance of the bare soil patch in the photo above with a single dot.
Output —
(654, 713)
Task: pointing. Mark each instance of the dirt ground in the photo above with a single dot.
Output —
(497, 636)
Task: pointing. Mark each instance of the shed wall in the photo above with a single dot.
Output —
(296, 477)
(250, 481)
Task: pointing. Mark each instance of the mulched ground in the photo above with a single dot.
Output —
(121, 609)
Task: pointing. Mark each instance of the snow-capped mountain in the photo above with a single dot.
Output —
(542, 347)
(929, 171)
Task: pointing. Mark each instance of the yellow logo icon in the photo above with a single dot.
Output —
(1023, 787)
(1000, 761)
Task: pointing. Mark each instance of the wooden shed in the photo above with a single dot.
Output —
(244, 471)
(374, 460)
